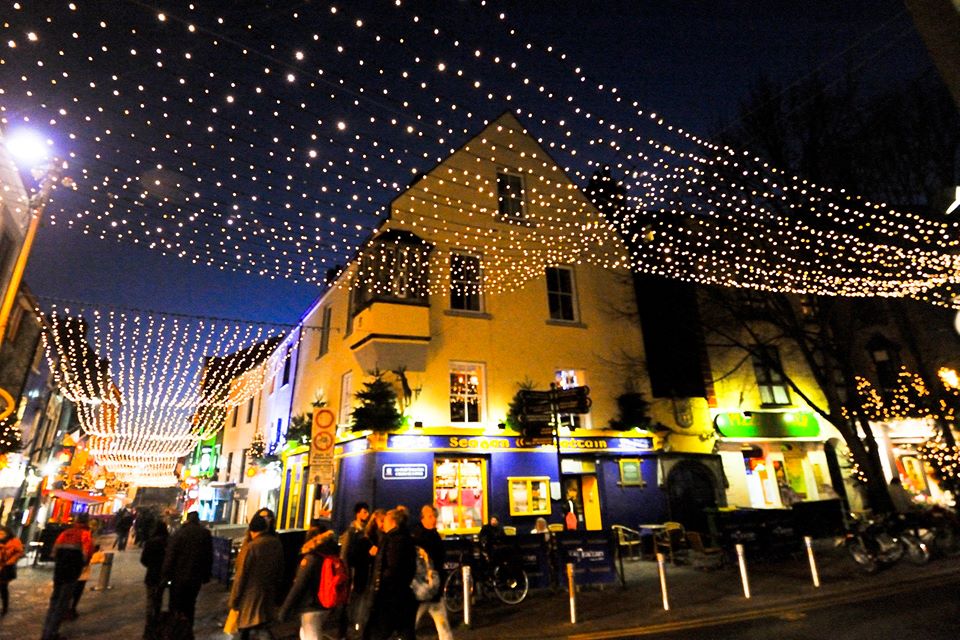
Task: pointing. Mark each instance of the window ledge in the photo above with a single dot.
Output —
(463, 313)
(574, 324)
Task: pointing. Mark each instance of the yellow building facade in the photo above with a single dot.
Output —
(492, 271)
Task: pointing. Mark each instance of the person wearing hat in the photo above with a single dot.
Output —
(258, 578)
(71, 552)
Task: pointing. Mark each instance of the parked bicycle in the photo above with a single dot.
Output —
(502, 576)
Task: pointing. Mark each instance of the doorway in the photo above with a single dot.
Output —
(691, 489)
(582, 494)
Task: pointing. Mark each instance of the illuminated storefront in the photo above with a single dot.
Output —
(772, 459)
(609, 477)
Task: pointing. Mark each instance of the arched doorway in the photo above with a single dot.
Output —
(691, 489)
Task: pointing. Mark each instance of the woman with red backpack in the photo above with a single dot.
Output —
(304, 598)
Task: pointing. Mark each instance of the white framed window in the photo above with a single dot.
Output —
(346, 397)
(510, 196)
(567, 379)
(561, 294)
(465, 282)
(770, 381)
(467, 390)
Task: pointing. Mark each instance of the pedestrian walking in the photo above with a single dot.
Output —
(152, 557)
(258, 578)
(122, 524)
(394, 608)
(81, 584)
(350, 542)
(362, 555)
(11, 550)
(187, 565)
(302, 598)
(428, 538)
(71, 552)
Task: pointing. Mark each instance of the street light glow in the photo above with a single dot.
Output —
(28, 148)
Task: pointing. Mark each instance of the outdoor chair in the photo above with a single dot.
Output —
(629, 538)
(669, 539)
(704, 557)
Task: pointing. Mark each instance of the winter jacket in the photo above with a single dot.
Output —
(430, 541)
(189, 555)
(303, 594)
(257, 582)
(11, 550)
(71, 551)
(152, 557)
(360, 562)
(396, 563)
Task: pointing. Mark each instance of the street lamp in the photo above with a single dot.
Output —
(28, 152)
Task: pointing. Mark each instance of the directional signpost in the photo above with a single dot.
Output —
(541, 410)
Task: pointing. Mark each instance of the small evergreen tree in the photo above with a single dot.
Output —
(299, 431)
(378, 406)
(633, 412)
(515, 408)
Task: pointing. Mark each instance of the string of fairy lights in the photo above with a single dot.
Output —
(148, 386)
(274, 144)
(239, 223)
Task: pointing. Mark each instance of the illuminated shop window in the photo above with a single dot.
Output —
(529, 496)
(466, 393)
(459, 493)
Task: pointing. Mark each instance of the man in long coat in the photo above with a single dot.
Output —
(258, 579)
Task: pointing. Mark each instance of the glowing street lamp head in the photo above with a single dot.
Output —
(28, 148)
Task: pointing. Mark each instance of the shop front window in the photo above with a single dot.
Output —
(466, 393)
(529, 496)
(460, 494)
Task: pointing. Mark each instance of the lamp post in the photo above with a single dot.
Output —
(28, 151)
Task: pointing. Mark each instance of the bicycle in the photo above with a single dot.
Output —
(503, 577)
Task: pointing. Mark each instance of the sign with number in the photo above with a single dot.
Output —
(323, 437)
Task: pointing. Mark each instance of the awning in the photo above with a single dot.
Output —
(83, 497)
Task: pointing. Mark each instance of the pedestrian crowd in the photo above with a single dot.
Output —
(375, 581)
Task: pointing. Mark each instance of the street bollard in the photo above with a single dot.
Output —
(808, 541)
(743, 571)
(663, 581)
(103, 580)
(467, 591)
(572, 584)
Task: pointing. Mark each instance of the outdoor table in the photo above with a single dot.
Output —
(650, 531)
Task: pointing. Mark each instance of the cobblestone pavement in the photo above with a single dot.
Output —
(118, 613)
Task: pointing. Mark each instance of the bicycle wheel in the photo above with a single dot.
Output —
(453, 591)
(510, 584)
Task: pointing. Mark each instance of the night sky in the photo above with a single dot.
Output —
(692, 62)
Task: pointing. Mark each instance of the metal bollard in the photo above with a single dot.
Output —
(103, 580)
(467, 591)
(808, 541)
(573, 593)
(743, 571)
(663, 581)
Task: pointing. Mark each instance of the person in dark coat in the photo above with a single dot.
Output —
(426, 536)
(71, 551)
(258, 579)
(302, 597)
(123, 524)
(152, 557)
(187, 565)
(394, 608)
